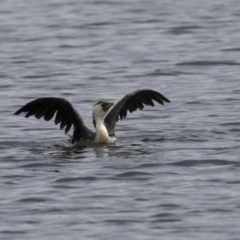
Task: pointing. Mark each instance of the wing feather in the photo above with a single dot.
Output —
(66, 115)
(138, 104)
(50, 113)
(42, 111)
(69, 125)
(59, 116)
(131, 103)
(31, 112)
(146, 100)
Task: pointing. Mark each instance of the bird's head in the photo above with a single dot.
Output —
(100, 110)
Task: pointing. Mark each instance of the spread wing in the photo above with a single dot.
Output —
(66, 115)
(131, 103)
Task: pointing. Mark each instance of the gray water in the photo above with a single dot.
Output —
(174, 171)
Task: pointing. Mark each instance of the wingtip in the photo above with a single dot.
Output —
(17, 112)
(165, 99)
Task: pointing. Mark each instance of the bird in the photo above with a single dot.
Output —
(103, 120)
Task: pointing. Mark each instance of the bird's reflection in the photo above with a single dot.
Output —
(101, 151)
(75, 152)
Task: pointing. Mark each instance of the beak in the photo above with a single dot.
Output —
(107, 106)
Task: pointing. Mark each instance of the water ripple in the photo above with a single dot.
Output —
(214, 162)
(208, 63)
(63, 180)
(34, 200)
(174, 170)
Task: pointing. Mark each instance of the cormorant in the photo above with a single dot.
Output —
(104, 123)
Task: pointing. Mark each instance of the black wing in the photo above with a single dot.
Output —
(66, 115)
(131, 103)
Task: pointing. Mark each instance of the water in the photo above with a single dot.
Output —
(174, 171)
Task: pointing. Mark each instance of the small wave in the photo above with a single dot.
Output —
(94, 61)
(231, 99)
(108, 3)
(165, 217)
(157, 73)
(34, 200)
(123, 221)
(230, 124)
(67, 46)
(147, 61)
(149, 165)
(153, 140)
(20, 62)
(208, 63)
(234, 130)
(132, 174)
(3, 76)
(189, 163)
(219, 210)
(170, 205)
(161, 215)
(231, 50)
(233, 182)
(13, 144)
(182, 29)
(16, 176)
(45, 76)
(33, 39)
(194, 102)
(94, 25)
(192, 138)
(189, 27)
(12, 232)
(40, 165)
(62, 180)
(5, 85)
(218, 132)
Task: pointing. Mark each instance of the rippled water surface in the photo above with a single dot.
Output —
(174, 171)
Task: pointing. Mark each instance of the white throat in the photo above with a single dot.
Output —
(102, 135)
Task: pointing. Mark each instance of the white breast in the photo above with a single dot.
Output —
(102, 135)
